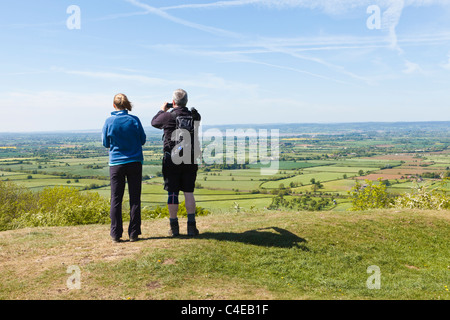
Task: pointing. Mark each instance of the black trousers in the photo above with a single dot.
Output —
(132, 173)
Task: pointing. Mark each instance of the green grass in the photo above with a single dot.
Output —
(305, 179)
(339, 169)
(336, 187)
(213, 200)
(289, 165)
(371, 163)
(262, 255)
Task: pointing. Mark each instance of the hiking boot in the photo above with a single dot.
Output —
(192, 229)
(174, 229)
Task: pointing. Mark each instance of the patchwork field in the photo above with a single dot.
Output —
(316, 163)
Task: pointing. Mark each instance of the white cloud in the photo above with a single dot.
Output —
(53, 110)
(411, 67)
(218, 4)
(328, 6)
(390, 20)
(111, 76)
(161, 13)
(393, 9)
(200, 80)
(447, 64)
(81, 110)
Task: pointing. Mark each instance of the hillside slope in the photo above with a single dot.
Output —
(266, 255)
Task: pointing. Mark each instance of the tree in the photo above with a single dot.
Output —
(369, 196)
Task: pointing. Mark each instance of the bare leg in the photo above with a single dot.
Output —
(190, 208)
(173, 211)
(189, 202)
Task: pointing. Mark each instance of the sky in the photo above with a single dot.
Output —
(241, 61)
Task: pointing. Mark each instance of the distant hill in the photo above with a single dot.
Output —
(284, 128)
(333, 128)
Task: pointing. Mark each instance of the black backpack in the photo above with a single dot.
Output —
(185, 122)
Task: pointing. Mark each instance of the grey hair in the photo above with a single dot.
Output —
(180, 97)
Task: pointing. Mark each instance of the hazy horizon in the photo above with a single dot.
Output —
(244, 125)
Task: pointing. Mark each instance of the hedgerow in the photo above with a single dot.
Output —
(375, 196)
(63, 206)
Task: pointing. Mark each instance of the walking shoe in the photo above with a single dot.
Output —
(115, 239)
(133, 239)
(192, 229)
(174, 229)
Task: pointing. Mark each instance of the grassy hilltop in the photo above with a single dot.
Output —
(258, 255)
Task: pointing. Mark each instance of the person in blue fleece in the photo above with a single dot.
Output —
(124, 135)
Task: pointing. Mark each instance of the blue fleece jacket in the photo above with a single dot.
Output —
(124, 135)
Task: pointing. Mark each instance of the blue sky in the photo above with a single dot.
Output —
(241, 61)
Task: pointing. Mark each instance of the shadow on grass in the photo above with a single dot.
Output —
(261, 237)
(266, 237)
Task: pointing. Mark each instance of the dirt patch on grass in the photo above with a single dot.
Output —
(27, 253)
(375, 176)
(152, 285)
(406, 171)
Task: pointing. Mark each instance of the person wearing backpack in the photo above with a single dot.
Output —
(177, 120)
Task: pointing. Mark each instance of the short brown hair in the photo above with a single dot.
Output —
(121, 102)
